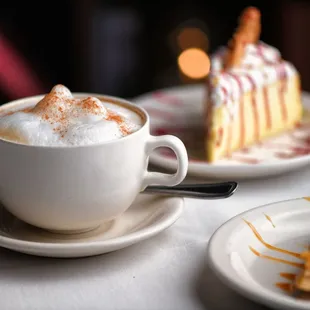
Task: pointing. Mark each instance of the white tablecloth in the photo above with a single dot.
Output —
(167, 272)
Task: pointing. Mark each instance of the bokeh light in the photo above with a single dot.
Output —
(194, 63)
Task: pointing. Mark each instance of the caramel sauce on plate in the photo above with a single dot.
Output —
(297, 284)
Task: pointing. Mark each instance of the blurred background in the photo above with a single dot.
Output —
(126, 48)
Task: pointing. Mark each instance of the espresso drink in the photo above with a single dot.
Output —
(59, 119)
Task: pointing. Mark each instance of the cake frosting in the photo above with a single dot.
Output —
(59, 119)
(261, 64)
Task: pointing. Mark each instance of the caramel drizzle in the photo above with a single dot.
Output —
(279, 260)
(293, 285)
(286, 287)
(271, 247)
(290, 289)
(288, 276)
(269, 220)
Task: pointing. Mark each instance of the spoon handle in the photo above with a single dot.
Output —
(201, 191)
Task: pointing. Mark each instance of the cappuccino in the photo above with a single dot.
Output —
(60, 119)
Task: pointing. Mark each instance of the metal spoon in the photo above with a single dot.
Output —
(201, 191)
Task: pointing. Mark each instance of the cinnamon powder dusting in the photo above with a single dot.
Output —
(60, 107)
(119, 120)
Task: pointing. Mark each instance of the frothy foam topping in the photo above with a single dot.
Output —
(59, 119)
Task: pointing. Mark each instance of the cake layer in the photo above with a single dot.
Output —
(261, 65)
(257, 114)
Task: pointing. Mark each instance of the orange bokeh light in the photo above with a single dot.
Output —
(194, 63)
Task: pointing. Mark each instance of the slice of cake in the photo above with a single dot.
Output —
(252, 93)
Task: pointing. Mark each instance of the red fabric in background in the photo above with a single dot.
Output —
(17, 78)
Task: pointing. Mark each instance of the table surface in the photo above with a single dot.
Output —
(167, 272)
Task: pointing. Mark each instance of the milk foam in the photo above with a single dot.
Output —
(59, 119)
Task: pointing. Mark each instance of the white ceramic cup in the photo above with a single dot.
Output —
(76, 188)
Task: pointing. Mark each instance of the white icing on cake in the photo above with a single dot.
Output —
(260, 66)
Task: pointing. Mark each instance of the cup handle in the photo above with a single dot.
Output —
(157, 178)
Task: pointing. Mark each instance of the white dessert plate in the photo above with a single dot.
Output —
(256, 253)
(179, 111)
(148, 216)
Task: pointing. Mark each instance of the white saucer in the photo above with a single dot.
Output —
(148, 216)
(179, 111)
(283, 224)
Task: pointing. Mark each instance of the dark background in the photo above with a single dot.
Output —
(126, 48)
